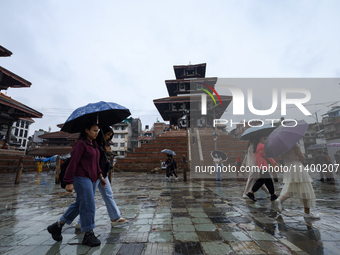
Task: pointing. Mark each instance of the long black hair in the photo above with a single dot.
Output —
(88, 126)
(100, 138)
(255, 142)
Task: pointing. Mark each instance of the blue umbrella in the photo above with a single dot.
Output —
(39, 159)
(103, 113)
(257, 131)
(284, 138)
(167, 151)
(47, 159)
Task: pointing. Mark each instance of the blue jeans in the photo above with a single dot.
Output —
(84, 204)
(107, 195)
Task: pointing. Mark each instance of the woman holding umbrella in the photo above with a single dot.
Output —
(81, 174)
(170, 167)
(254, 135)
(297, 182)
(105, 135)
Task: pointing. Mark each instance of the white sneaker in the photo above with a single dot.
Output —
(245, 195)
(78, 226)
(167, 179)
(176, 179)
(311, 216)
(278, 205)
(120, 221)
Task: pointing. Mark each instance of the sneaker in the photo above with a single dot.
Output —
(273, 197)
(177, 179)
(251, 196)
(167, 179)
(244, 195)
(90, 239)
(78, 226)
(55, 231)
(120, 221)
(311, 216)
(278, 205)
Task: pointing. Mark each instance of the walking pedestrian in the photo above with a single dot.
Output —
(104, 137)
(218, 166)
(249, 162)
(329, 174)
(81, 174)
(337, 157)
(321, 159)
(297, 183)
(171, 165)
(262, 165)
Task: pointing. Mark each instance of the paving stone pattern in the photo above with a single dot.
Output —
(196, 217)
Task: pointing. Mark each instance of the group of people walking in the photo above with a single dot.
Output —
(87, 171)
(297, 184)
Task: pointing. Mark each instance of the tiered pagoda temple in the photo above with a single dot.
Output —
(10, 109)
(184, 101)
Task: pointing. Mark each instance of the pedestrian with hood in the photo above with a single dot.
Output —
(104, 137)
(81, 175)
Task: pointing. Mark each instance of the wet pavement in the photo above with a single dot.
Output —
(197, 217)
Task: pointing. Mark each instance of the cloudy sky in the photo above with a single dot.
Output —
(81, 51)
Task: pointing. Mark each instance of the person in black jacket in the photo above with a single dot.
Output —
(171, 166)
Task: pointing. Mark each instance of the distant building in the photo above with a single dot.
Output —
(126, 135)
(185, 98)
(331, 122)
(14, 114)
(146, 137)
(20, 130)
(313, 133)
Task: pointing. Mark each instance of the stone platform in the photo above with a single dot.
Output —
(196, 217)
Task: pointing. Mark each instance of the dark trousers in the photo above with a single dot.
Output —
(170, 172)
(265, 179)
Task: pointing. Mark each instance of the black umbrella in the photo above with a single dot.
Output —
(103, 113)
(257, 131)
(219, 154)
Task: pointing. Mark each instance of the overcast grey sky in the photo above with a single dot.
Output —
(81, 51)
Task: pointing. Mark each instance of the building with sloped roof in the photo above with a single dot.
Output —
(185, 98)
(12, 111)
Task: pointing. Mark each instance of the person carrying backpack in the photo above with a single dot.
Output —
(105, 135)
(171, 165)
(81, 174)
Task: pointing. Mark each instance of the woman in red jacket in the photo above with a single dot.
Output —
(81, 175)
(262, 166)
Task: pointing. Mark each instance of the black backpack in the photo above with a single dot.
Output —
(63, 168)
